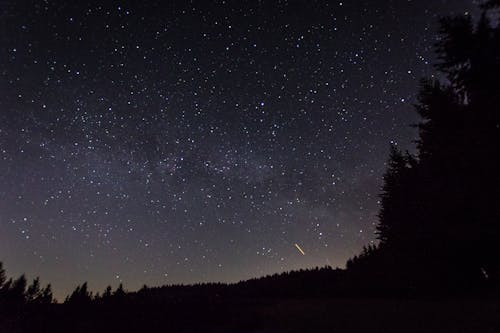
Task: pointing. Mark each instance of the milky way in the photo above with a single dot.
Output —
(187, 141)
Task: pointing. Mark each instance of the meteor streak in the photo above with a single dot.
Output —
(300, 250)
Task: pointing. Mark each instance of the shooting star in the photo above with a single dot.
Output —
(300, 250)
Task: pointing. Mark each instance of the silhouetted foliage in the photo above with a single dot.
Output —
(119, 292)
(3, 277)
(80, 296)
(33, 293)
(46, 296)
(16, 293)
(107, 293)
(19, 301)
(439, 222)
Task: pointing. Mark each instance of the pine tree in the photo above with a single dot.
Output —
(459, 133)
(107, 293)
(80, 295)
(3, 277)
(17, 291)
(439, 220)
(46, 296)
(33, 292)
(119, 292)
(393, 201)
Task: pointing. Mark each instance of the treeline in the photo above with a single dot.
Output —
(16, 292)
(174, 307)
(183, 308)
(304, 283)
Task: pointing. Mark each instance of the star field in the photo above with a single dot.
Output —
(188, 141)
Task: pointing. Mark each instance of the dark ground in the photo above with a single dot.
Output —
(246, 315)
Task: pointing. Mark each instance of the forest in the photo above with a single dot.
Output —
(436, 262)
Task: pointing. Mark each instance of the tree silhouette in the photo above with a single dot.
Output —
(107, 293)
(3, 277)
(46, 296)
(33, 293)
(394, 200)
(458, 138)
(439, 220)
(16, 293)
(119, 294)
(80, 296)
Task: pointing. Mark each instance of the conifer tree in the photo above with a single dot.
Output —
(3, 278)
(33, 292)
(440, 215)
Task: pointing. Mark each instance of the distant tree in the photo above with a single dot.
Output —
(80, 295)
(6, 287)
(33, 293)
(17, 291)
(119, 292)
(3, 277)
(107, 292)
(46, 296)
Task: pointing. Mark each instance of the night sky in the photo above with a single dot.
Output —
(189, 141)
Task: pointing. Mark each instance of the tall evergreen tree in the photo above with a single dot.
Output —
(440, 210)
(394, 199)
(459, 143)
